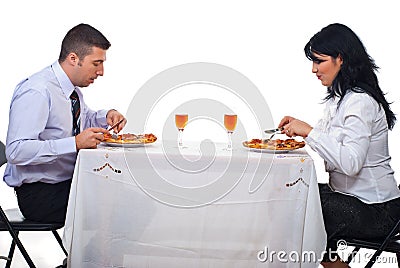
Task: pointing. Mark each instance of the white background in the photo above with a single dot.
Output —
(263, 40)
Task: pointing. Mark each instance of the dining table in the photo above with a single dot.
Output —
(197, 205)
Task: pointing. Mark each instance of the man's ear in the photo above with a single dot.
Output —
(72, 59)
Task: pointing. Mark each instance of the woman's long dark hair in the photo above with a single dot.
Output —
(357, 72)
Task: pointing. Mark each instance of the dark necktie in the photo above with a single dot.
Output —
(76, 112)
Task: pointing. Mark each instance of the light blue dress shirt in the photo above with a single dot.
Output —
(40, 145)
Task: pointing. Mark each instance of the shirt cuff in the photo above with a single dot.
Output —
(312, 137)
(65, 146)
(102, 118)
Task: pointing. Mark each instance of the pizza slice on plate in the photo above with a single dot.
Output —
(278, 144)
(130, 138)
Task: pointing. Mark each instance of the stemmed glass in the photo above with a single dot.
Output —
(180, 122)
(230, 121)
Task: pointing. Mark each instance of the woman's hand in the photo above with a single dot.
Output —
(294, 127)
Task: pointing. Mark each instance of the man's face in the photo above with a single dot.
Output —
(89, 68)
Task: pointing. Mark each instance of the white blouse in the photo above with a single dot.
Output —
(353, 141)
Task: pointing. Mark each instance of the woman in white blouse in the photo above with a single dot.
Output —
(362, 199)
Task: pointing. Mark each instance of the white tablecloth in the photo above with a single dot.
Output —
(153, 207)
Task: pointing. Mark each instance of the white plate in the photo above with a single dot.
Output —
(124, 145)
(266, 150)
(259, 150)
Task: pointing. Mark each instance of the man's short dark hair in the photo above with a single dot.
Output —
(80, 40)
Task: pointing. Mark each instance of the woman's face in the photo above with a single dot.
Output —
(326, 68)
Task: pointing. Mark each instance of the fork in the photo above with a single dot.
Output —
(273, 132)
(270, 137)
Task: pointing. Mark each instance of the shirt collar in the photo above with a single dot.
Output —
(66, 85)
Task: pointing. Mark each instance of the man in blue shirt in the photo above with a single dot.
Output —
(49, 123)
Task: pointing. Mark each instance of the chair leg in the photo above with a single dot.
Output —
(370, 263)
(10, 254)
(373, 258)
(16, 241)
(352, 254)
(398, 259)
(57, 236)
(383, 245)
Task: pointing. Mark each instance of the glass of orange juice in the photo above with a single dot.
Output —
(180, 122)
(230, 121)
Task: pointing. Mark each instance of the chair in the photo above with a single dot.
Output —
(11, 220)
(390, 244)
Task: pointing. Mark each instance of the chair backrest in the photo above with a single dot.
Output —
(3, 158)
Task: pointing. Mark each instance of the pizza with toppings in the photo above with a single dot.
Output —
(276, 145)
(129, 138)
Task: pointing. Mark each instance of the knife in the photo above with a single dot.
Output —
(116, 124)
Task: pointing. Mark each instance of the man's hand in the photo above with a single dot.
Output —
(113, 117)
(90, 138)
